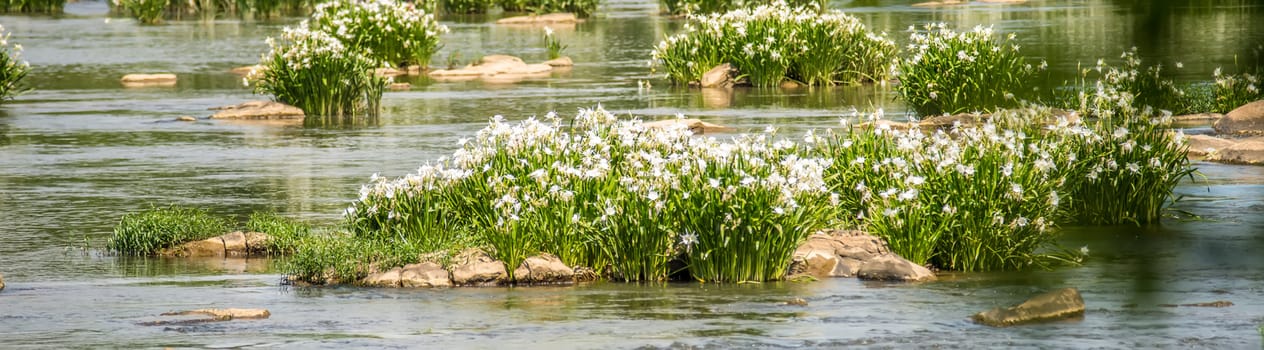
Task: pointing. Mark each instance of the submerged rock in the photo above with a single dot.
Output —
(544, 269)
(1245, 120)
(475, 267)
(694, 125)
(186, 118)
(495, 68)
(424, 275)
(720, 76)
(1056, 305)
(541, 19)
(143, 80)
(1248, 151)
(564, 61)
(226, 314)
(258, 110)
(1217, 303)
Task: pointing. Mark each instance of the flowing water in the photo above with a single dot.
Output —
(81, 151)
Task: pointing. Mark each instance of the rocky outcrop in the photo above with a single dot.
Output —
(1248, 151)
(840, 253)
(720, 76)
(495, 68)
(475, 267)
(552, 18)
(1052, 306)
(424, 275)
(258, 110)
(694, 125)
(143, 80)
(234, 244)
(544, 269)
(1203, 145)
(1245, 120)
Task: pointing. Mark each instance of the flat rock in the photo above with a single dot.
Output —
(399, 86)
(258, 110)
(491, 59)
(186, 118)
(495, 68)
(1202, 145)
(540, 19)
(1052, 306)
(564, 61)
(390, 72)
(1249, 151)
(1197, 117)
(226, 314)
(476, 268)
(389, 278)
(143, 80)
(1, 282)
(720, 76)
(1245, 120)
(939, 3)
(891, 267)
(694, 125)
(213, 246)
(544, 269)
(424, 275)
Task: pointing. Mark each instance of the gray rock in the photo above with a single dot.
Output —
(258, 110)
(720, 76)
(476, 268)
(1056, 305)
(1248, 151)
(424, 275)
(1203, 145)
(892, 267)
(544, 269)
(1245, 120)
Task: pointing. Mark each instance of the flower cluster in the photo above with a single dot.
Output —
(1234, 90)
(1128, 89)
(947, 71)
(388, 30)
(12, 68)
(317, 73)
(684, 7)
(770, 43)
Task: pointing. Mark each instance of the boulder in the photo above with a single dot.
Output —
(213, 246)
(258, 110)
(1202, 145)
(234, 244)
(544, 269)
(226, 314)
(892, 267)
(720, 76)
(424, 275)
(564, 61)
(541, 19)
(142, 80)
(389, 278)
(1, 282)
(694, 125)
(493, 59)
(476, 268)
(1245, 120)
(186, 118)
(842, 253)
(1056, 305)
(1248, 151)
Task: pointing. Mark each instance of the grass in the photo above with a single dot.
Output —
(284, 234)
(315, 72)
(147, 232)
(949, 72)
(581, 8)
(552, 45)
(145, 11)
(12, 68)
(32, 6)
(772, 43)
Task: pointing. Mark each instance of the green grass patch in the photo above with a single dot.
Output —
(284, 234)
(32, 6)
(147, 232)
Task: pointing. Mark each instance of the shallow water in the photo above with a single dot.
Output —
(81, 151)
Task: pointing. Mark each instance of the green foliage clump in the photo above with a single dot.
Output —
(284, 234)
(581, 8)
(1234, 90)
(315, 72)
(771, 43)
(147, 232)
(32, 6)
(1130, 88)
(387, 30)
(685, 7)
(12, 68)
(145, 11)
(971, 71)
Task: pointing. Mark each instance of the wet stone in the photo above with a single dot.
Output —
(1052, 306)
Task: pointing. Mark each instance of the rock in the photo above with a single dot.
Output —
(389, 278)
(820, 263)
(948, 121)
(1056, 305)
(540, 19)
(415, 70)
(584, 274)
(213, 246)
(790, 84)
(1202, 145)
(796, 302)
(694, 125)
(495, 68)
(186, 118)
(476, 268)
(493, 59)
(564, 61)
(1, 281)
(939, 3)
(719, 76)
(142, 80)
(544, 269)
(1245, 120)
(1248, 151)
(234, 244)
(399, 86)
(1199, 117)
(247, 69)
(389, 72)
(258, 110)
(424, 275)
(256, 243)
(892, 267)
(226, 314)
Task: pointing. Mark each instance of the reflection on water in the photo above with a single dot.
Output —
(81, 150)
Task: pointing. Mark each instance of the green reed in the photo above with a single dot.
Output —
(147, 232)
(313, 71)
(552, 45)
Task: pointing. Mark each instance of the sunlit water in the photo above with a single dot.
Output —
(81, 151)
